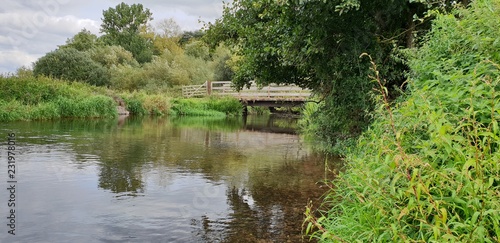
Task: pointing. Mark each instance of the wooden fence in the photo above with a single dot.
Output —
(266, 93)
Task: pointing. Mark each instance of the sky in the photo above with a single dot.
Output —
(31, 28)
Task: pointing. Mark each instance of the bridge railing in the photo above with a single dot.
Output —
(189, 91)
(225, 88)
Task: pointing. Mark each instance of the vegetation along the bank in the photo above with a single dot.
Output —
(40, 98)
(416, 117)
(428, 168)
(30, 98)
(132, 64)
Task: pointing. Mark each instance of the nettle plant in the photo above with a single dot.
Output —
(428, 169)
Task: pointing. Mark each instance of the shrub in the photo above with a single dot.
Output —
(227, 105)
(109, 56)
(428, 169)
(31, 98)
(45, 111)
(134, 102)
(157, 104)
(193, 107)
(71, 64)
(12, 111)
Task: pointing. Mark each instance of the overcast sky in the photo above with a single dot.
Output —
(31, 28)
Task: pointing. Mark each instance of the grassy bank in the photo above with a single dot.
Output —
(31, 98)
(428, 169)
(206, 107)
(41, 98)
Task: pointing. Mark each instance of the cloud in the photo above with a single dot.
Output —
(27, 34)
(11, 60)
(31, 28)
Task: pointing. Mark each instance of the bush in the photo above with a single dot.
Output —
(109, 56)
(227, 105)
(31, 98)
(428, 169)
(206, 107)
(71, 64)
(12, 111)
(157, 105)
(134, 102)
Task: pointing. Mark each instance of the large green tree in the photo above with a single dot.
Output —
(317, 44)
(71, 64)
(123, 25)
(82, 41)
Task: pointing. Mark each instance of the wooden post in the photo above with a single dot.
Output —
(245, 110)
(209, 87)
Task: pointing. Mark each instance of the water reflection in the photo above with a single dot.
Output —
(166, 180)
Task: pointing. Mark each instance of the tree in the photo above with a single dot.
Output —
(316, 44)
(197, 49)
(71, 64)
(125, 19)
(122, 26)
(221, 61)
(188, 36)
(83, 41)
(109, 56)
(170, 28)
(427, 170)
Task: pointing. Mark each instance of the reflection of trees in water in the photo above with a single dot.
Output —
(245, 224)
(270, 124)
(125, 154)
(120, 168)
(117, 179)
(271, 208)
(266, 197)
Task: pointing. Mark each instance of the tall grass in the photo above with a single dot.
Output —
(39, 98)
(428, 169)
(206, 107)
(31, 98)
(140, 103)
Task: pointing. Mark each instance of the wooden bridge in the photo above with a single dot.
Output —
(269, 96)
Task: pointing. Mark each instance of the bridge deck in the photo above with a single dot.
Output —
(264, 95)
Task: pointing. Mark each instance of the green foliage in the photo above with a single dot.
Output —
(109, 56)
(258, 110)
(127, 78)
(41, 98)
(197, 49)
(140, 103)
(71, 64)
(82, 41)
(188, 36)
(125, 18)
(206, 107)
(122, 26)
(12, 111)
(157, 105)
(315, 45)
(221, 61)
(227, 105)
(428, 168)
(135, 103)
(161, 74)
(94, 106)
(24, 72)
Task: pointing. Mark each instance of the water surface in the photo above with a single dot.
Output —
(160, 180)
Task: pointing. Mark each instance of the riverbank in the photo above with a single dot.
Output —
(41, 98)
(427, 169)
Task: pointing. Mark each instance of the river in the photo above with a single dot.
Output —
(158, 180)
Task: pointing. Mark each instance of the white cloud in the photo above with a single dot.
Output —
(11, 60)
(31, 28)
